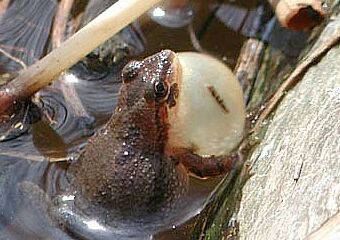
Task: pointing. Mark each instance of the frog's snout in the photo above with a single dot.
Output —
(170, 65)
(167, 62)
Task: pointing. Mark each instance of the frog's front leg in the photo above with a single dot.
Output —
(208, 166)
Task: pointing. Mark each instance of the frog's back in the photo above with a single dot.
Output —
(116, 173)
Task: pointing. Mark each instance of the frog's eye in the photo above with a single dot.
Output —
(130, 71)
(161, 89)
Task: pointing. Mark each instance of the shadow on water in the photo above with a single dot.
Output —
(50, 129)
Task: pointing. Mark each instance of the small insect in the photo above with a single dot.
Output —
(218, 98)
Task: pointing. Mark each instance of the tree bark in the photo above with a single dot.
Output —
(295, 187)
(293, 191)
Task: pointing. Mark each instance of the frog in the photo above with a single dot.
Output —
(128, 172)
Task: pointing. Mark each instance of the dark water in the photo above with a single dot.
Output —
(53, 127)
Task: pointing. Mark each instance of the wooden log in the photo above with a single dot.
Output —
(293, 191)
(295, 186)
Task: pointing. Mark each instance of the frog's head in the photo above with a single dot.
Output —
(151, 82)
(149, 91)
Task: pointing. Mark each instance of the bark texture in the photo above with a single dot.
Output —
(295, 187)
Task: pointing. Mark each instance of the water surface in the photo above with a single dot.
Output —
(52, 128)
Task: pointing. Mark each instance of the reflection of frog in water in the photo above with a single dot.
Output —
(127, 168)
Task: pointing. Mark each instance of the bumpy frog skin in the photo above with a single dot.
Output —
(128, 170)
(124, 166)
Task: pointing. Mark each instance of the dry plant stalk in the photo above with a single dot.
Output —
(298, 14)
(72, 50)
(60, 22)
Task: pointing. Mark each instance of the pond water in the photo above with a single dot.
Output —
(53, 127)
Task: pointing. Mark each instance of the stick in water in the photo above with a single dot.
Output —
(72, 50)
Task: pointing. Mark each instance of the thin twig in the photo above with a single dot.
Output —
(71, 96)
(17, 60)
(3, 6)
(194, 40)
(60, 22)
(32, 157)
(58, 36)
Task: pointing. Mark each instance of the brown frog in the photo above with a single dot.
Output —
(128, 171)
